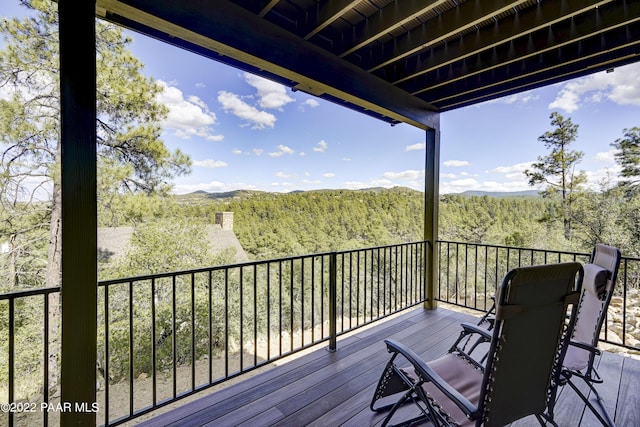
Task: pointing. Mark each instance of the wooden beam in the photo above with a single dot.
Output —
(330, 12)
(503, 31)
(602, 51)
(433, 32)
(587, 34)
(79, 214)
(388, 19)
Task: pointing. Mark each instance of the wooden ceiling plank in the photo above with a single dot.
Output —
(329, 12)
(598, 22)
(581, 58)
(467, 15)
(268, 8)
(553, 75)
(388, 19)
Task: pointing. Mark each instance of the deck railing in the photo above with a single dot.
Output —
(166, 336)
(469, 274)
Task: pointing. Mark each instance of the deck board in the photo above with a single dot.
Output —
(330, 389)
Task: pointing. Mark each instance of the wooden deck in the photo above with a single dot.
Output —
(333, 389)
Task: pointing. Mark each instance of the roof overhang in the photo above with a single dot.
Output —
(402, 60)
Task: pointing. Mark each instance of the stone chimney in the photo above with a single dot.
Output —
(225, 220)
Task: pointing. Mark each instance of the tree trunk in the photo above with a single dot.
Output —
(12, 262)
(53, 279)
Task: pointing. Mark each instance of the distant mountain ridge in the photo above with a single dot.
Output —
(526, 193)
(238, 194)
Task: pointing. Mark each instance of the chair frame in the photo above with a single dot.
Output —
(602, 254)
(396, 381)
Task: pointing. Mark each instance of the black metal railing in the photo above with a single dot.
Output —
(469, 274)
(166, 336)
(27, 349)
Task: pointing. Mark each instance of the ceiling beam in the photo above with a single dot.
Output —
(601, 51)
(230, 30)
(268, 7)
(582, 29)
(386, 20)
(578, 69)
(541, 16)
(460, 19)
(330, 12)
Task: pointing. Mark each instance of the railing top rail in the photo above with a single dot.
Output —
(29, 293)
(242, 264)
(550, 251)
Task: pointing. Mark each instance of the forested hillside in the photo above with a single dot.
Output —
(271, 225)
(275, 224)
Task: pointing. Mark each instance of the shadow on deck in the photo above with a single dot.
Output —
(331, 389)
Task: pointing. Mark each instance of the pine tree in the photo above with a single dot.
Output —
(557, 170)
(128, 130)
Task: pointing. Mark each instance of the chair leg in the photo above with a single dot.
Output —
(427, 413)
(609, 422)
(604, 418)
(544, 419)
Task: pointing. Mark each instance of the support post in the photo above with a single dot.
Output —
(431, 201)
(79, 213)
(333, 302)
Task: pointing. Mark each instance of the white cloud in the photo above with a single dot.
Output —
(468, 183)
(513, 169)
(605, 177)
(255, 152)
(210, 163)
(518, 98)
(233, 103)
(414, 147)
(311, 103)
(606, 156)
(329, 175)
(282, 149)
(456, 163)
(272, 95)
(620, 87)
(284, 175)
(356, 185)
(187, 117)
(404, 175)
(321, 147)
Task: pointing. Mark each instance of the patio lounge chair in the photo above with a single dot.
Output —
(521, 371)
(597, 289)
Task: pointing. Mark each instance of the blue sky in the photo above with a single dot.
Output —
(245, 132)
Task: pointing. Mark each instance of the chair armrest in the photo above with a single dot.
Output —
(426, 372)
(585, 346)
(475, 329)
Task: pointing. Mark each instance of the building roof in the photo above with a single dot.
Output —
(114, 241)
